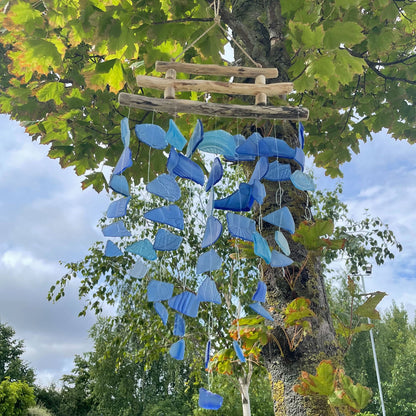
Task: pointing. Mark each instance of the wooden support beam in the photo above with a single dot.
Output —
(261, 97)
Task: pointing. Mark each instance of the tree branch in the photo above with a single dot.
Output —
(185, 20)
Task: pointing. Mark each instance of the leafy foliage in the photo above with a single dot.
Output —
(15, 397)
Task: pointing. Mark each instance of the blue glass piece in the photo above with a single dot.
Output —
(158, 291)
(302, 181)
(166, 241)
(208, 262)
(215, 175)
(240, 200)
(262, 166)
(259, 309)
(212, 233)
(124, 162)
(179, 326)
(186, 303)
(175, 137)
(278, 172)
(152, 135)
(208, 292)
(261, 248)
(111, 250)
(281, 218)
(218, 142)
(116, 229)
(139, 269)
(239, 351)
(210, 203)
(239, 139)
(269, 147)
(125, 131)
(282, 242)
(165, 186)
(241, 227)
(170, 215)
(300, 157)
(118, 183)
(208, 400)
(258, 192)
(251, 146)
(118, 208)
(260, 295)
(301, 135)
(285, 151)
(280, 260)
(196, 138)
(207, 353)
(180, 165)
(177, 350)
(162, 312)
(144, 248)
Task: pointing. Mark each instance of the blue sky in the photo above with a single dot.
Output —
(46, 217)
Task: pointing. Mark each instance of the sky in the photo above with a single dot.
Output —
(46, 218)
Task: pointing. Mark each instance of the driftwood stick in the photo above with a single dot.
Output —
(170, 89)
(261, 97)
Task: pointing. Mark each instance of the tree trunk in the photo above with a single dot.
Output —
(244, 385)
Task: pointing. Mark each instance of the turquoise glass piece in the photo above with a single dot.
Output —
(282, 242)
(302, 181)
(301, 135)
(125, 131)
(250, 147)
(281, 218)
(241, 227)
(111, 250)
(158, 291)
(175, 137)
(261, 248)
(165, 186)
(259, 309)
(166, 241)
(118, 183)
(124, 162)
(208, 292)
(139, 269)
(239, 351)
(218, 142)
(144, 248)
(208, 400)
(258, 192)
(208, 262)
(180, 165)
(280, 260)
(278, 172)
(177, 350)
(186, 303)
(170, 215)
(116, 229)
(300, 157)
(240, 200)
(196, 139)
(152, 135)
(215, 174)
(118, 208)
(212, 232)
(260, 170)
(179, 325)
(210, 203)
(260, 295)
(207, 353)
(162, 312)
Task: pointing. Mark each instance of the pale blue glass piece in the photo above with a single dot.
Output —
(180, 165)
(208, 262)
(207, 353)
(251, 146)
(262, 166)
(260, 295)
(215, 174)
(282, 242)
(239, 139)
(139, 269)
(177, 350)
(118, 208)
(302, 181)
(152, 135)
(144, 248)
(158, 291)
(281, 218)
(196, 138)
(280, 260)
(124, 162)
(278, 172)
(125, 131)
(240, 200)
(116, 229)
(261, 248)
(241, 227)
(239, 351)
(300, 157)
(111, 250)
(175, 137)
(165, 186)
(259, 309)
(166, 241)
(258, 192)
(162, 312)
(186, 303)
(301, 135)
(212, 232)
(179, 325)
(170, 215)
(210, 203)
(208, 292)
(208, 400)
(285, 151)
(118, 183)
(218, 142)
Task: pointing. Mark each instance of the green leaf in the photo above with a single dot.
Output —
(356, 396)
(51, 91)
(367, 309)
(323, 383)
(343, 33)
(297, 311)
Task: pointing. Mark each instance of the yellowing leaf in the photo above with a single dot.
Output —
(51, 91)
(368, 308)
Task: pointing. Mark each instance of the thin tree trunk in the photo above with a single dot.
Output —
(244, 385)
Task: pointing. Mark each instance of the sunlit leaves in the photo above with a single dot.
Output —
(51, 91)
(368, 308)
